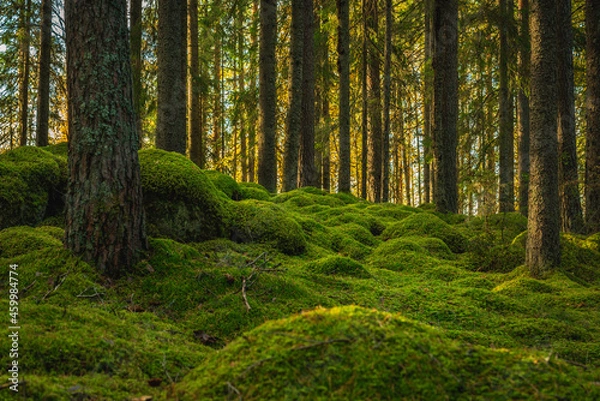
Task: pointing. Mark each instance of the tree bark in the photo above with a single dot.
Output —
(104, 211)
(135, 21)
(543, 239)
(43, 96)
(308, 173)
(171, 131)
(364, 104)
(343, 49)
(24, 66)
(196, 140)
(387, 83)
(427, 100)
(523, 108)
(267, 162)
(375, 134)
(445, 104)
(592, 172)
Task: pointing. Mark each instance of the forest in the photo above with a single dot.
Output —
(300, 199)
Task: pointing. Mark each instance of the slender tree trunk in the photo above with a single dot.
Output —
(254, 113)
(364, 111)
(592, 171)
(427, 90)
(267, 162)
(294, 116)
(506, 138)
(24, 66)
(571, 212)
(343, 49)
(445, 104)
(171, 131)
(325, 112)
(43, 96)
(523, 108)
(196, 142)
(105, 215)
(135, 28)
(387, 80)
(543, 238)
(217, 116)
(375, 134)
(244, 103)
(308, 173)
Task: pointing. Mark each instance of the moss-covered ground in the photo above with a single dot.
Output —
(303, 295)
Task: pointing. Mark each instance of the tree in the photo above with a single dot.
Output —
(104, 212)
(193, 88)
(592, 170)
(445, 104)
(427, 98)
(171, 131)
(571, 212)
(543, 227)
(43, 97)
(135, 29)
(343, 49)
(24, 65)
(267, 142)
(387, 87)
(523, 107)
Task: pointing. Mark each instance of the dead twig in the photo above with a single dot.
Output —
(61, 279)
(244, 294)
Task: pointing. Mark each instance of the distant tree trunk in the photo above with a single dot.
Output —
(523, 108)
(364, 109)
(24, 66)
(267, 162)
(375, 134)
(243, 100)
(135, 21)
(343, 49)
(193, 88)
(217, 115)
(294, 115)
(253, 112)
(105, 216)
(571, 212)
(543, 238)
(427, 100)
(387, 83)
(506, 138)
(171, 131)
(325, 171)
(445, 104)
(308, 173)
(43, 96)
(592, 172)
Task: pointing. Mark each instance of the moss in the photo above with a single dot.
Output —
(347, 198)
(337, 265)
(374, 225)
(346, 245)
(307, 196)
(180, 201)
(427, 224)
(354, 353)
(594, 242)
(267, 223)
(224, 183)
(359, 233)
(487, 256)
(251, 190)
(391, 211)
(401, 254)
(435, 246)
(578, 260)
(58, 149)
(15, 241)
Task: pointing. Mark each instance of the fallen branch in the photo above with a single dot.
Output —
(61, 279)
(244, 293)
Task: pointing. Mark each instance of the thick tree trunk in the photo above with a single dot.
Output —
(592, 172)
(571, 212)
(375, 134)
(543, 239)
(105, 216)
(308, 173)
(24, 66)
(523, 108)
(43, 96)
(171, 131)
(135, 21)
(294, 116)
(387, 83)
(343, 49)
(267, 162)
(196, 140)
(445, 104)
(506, 113)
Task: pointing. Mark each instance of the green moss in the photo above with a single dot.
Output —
(427, 224)
(180, 201)
(267, 223)
(224, 183)
(345, 245)
(353, 353)
(401, 254)
(391, 211)
(359, 233)
(251, 190)
(594, 242)
(345, 216)
(15, 241)
(337, 265)
(487, 256)
(348, 199)
(59, 149)
(307, 196)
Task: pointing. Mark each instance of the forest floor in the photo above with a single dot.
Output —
(302, 295)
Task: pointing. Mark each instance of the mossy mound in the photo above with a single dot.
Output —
(391, 211)
(429, 225)
(32, 185)
(224, 183)
(58, 149)
(358, 233)
(340, 216)
(307, 196)
(251, 190)
(351, 353)
(267, 223)
(180, 201)
(15, 241)
(337, 266)
(486, 255)
(402, 254)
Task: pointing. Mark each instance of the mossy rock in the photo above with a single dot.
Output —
(337, 266)
(435, 246)
(346, 245)
(267, 223)
(430, 225)
(351, 353)
(251, 190)
(58, 149)
(307, 196)
(485, 255)
(337, 218)
(180, 201)
(347, 198)
(15, 241)
(224, 183)
(32, 185)
(359, 233)
(402, 254)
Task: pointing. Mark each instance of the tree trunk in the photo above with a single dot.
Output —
(343, 49)
(523, 108)
(294, 116)
(445, 104)
(375, 134)
(543, 239)
(135, 21)
(364, 108)
(592, 172)
(217, 115)
(387, 83)
(427, 100)
(267, 162)
(308, 173)
(171, 131)
(325, 176)
(24, 66)
(193, 88)
(505, 111)
(105, 216)
(571, 212)
(43, 97)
